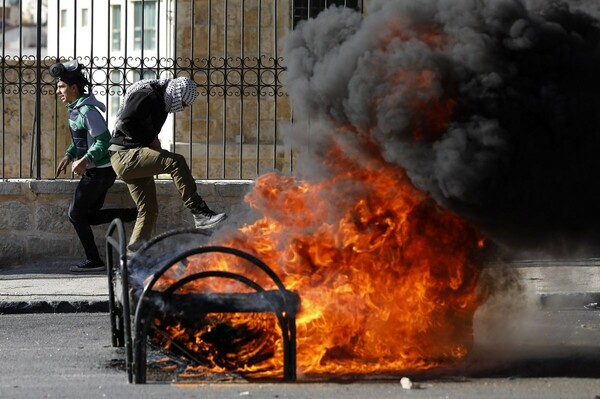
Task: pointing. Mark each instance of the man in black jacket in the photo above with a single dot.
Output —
(137, 155)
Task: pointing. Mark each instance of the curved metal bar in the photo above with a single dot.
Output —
(170, 233)
(222, 249)
(119, 245)
(288, 332)
(120, 321)
(242, 279)
(214, 273)
(285, 318)
(126, 316)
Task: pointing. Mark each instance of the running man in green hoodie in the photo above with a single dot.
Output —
(90, 159)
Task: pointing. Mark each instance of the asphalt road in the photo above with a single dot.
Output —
(534, 339)
(555, 354)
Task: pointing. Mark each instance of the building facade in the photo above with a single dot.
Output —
(231, 49)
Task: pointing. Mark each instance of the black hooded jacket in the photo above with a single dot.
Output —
(142, 118)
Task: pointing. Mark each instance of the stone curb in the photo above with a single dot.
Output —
(562, 300)
(568, 300)
(24, 307)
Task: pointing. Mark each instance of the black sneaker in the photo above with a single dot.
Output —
(88, 266)
(204, 218)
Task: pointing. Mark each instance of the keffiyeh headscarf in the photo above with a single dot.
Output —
(180, 91)
(177, 92)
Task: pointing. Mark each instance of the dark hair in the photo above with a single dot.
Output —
(70, 73)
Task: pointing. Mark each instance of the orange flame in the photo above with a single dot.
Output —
(387, 278)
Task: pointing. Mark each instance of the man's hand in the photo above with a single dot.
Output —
(62, 166)
(79, 166)
(155, 144)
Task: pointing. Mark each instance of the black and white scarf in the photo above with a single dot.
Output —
(178, 91)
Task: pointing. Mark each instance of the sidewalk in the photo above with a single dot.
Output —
(572, 284)
(49, 287)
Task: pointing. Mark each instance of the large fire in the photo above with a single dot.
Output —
(387, 279)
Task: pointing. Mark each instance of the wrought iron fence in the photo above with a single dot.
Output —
(231, 48)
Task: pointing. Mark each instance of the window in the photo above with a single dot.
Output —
(115, 28)
(63, 18)
(144, 25)
(149, 74)
(85, 17)
(304, 9)
(115, 91)
(137, 74)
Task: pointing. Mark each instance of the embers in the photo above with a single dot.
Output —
(232, 342)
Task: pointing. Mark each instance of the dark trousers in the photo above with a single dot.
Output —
(85, 210)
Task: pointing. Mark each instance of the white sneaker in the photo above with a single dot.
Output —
(204, 218)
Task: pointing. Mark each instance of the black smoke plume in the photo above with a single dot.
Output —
(515, 84)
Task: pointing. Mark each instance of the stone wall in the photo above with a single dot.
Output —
(235, 131)
(17, 125)
(34, 223)
(236, 122)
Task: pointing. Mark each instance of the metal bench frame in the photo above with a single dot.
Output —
(281, 302)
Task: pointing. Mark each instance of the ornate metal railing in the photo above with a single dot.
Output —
(231, 49)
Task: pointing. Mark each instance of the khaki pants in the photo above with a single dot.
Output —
(137, 167)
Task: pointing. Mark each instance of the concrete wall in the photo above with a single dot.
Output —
(34, 223)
